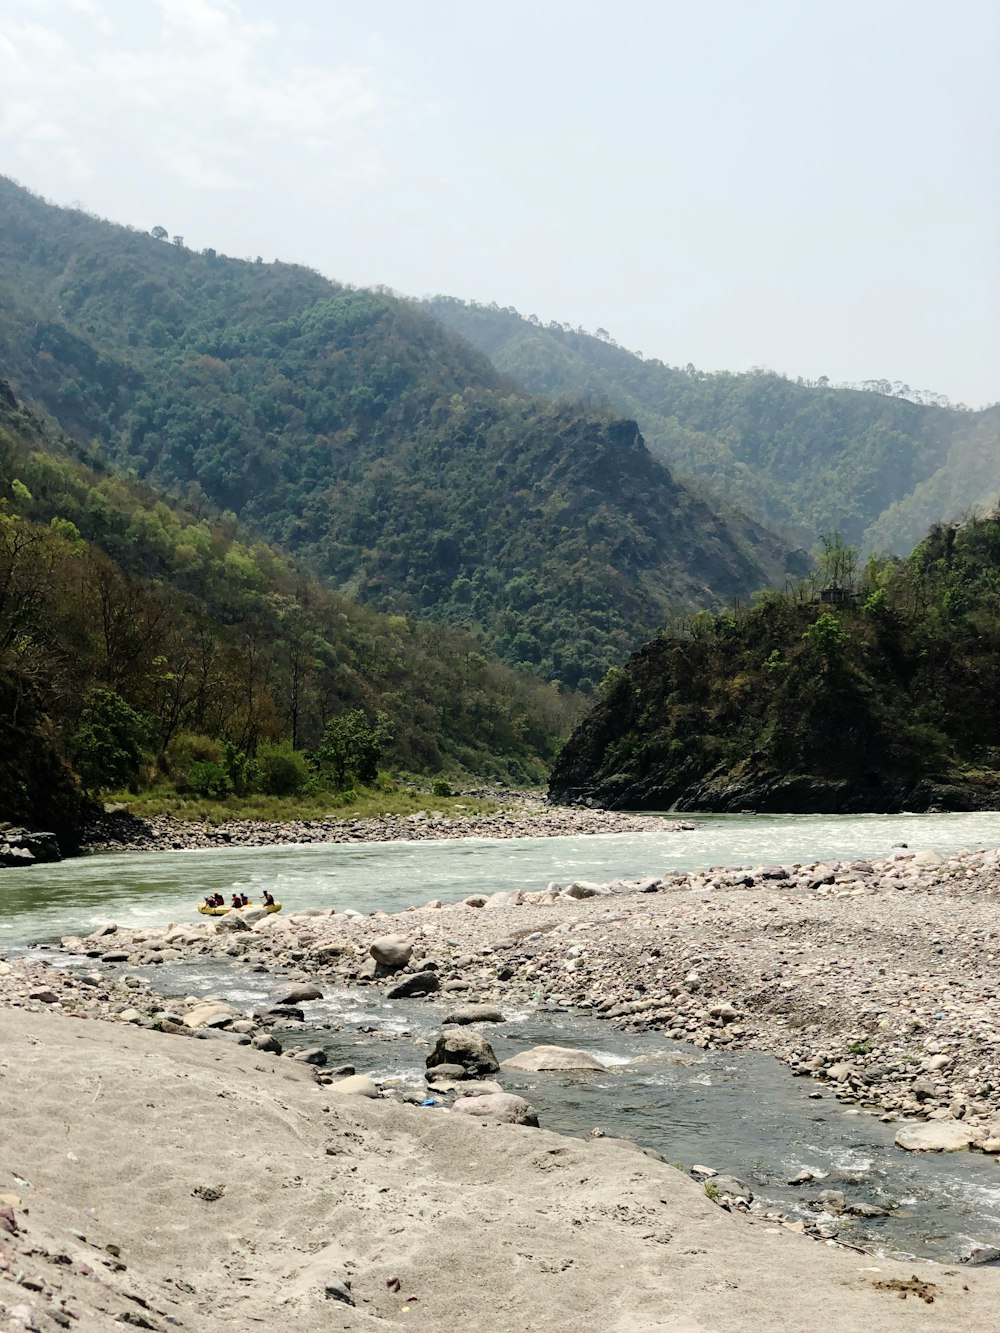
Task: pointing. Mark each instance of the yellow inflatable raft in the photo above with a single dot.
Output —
(205, 910)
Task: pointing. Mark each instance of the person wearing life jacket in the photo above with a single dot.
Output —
(268, 898)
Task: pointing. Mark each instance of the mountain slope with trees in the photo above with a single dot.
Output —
(808, 458)
(144, 642)
(353, 429)
(870, 693)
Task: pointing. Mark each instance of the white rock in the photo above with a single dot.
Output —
(553, 1057)
(939, 1136)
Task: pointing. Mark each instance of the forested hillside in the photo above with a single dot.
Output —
(352, 428)
(809, 458)
(870, 692)
(144, 642)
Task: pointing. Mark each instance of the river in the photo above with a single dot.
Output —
(738, 1111)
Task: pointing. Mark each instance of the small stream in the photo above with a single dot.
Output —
(737, 1111)
(740, 1112)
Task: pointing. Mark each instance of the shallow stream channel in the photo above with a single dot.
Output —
(740, 1112)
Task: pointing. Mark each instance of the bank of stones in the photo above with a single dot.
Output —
(527, 816)
(876, 979)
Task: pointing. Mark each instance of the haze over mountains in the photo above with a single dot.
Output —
(807, 458)
(352, 428)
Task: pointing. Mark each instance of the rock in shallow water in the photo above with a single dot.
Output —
(935, 1136)
(554, 1057)
(466, 1048)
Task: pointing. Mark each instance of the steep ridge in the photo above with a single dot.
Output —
(810, 458)
(352, 428)
(874, 695)
(129, 625)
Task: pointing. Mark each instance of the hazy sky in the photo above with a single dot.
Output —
(810, 185)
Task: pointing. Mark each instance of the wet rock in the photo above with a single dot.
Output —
(266, 1041)
(502, 1106)
(285, 1011)
(421, 983)
(554, 1057)
(473, 1013)
(310, 1055)
(445, 1073)
(296, 995)
(467, 1048)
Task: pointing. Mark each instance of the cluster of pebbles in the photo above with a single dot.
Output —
(525, 815)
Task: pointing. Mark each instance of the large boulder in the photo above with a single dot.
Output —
(554, 1057)
(502, 1106)
(421, 983)
(391, 951)
(935, 1136)
(473, 1013)
(465, 1047)
(355, 1085)
(208, 1014)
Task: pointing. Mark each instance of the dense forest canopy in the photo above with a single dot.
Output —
(870, 690)
(806, 457)
(139, 639)
(352, 428)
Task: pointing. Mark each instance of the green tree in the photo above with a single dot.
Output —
(281, 770)
(352, 745)
(107, 747)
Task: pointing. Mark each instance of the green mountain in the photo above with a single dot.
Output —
(875, 693)
(353, 429)
(139, 637)
(806, 458)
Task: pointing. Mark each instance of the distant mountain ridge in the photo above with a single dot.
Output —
(807, 458)
(355, 430)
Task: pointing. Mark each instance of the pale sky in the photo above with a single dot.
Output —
(808, 185)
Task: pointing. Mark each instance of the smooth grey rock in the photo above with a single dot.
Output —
(473, 1013)
(503, 1106)
(446, 1073)
(266, 1041)
(355, 1085)
(312, 1055)
(554, 1057)
(935, 1136)
(391, 951)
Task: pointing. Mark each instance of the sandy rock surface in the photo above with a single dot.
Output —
(160, 1182)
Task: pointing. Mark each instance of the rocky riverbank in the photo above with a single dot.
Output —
(875, 979)
(526, 816)
(157, 1183)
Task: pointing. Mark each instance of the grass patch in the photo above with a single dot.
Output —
(370, 804)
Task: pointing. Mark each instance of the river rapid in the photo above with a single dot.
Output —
(740, 1112)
